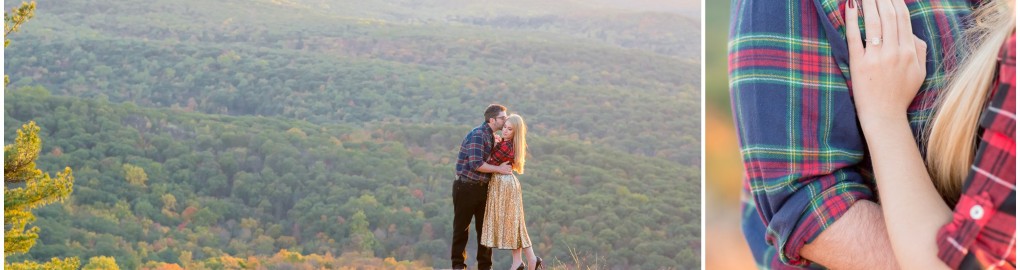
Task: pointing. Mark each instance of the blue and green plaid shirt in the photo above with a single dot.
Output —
(474, 151)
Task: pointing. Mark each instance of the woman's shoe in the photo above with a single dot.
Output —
(522, 267)
(538, 264)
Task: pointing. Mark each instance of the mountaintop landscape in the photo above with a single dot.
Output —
(322, 134)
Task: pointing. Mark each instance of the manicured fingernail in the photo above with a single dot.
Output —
(850, 4)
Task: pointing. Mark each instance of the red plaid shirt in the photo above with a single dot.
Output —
(502, 152)
(983, 231)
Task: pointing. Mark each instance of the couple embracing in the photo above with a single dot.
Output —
(487, 190)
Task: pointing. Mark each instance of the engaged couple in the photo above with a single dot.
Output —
(487, 190)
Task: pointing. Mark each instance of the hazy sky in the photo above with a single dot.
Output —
(675, 6)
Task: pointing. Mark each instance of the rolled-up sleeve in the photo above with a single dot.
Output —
(799, 139)
(473, 152)
(474, 146)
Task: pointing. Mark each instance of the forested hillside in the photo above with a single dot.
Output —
(300, 64)
(203, 131)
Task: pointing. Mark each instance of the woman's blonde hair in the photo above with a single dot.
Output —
(953, 129)
(520, 141)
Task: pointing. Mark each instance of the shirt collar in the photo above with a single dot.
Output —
(485, 127)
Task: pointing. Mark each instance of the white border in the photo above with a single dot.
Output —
(704, 162)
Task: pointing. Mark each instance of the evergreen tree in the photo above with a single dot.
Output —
(35, 188)
(13, 21)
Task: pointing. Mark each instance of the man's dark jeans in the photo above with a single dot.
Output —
(469, 201)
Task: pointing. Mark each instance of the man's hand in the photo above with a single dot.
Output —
(505, 168)
(857, 240)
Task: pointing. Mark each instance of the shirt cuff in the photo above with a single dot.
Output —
(823, 209)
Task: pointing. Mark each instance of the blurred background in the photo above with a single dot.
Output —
(724, 243)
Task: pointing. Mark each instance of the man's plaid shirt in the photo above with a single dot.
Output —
(474, 151)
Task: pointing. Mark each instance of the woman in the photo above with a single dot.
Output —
(504, 226)
(970, 141)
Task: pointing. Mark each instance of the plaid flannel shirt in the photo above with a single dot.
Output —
(502, 152)
(473, 152)
(982, 234)
(803, 150)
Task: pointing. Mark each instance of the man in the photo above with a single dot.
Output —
(471, 188)
(809, 196)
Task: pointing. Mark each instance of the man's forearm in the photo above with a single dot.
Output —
(488, 168)
(857, 240)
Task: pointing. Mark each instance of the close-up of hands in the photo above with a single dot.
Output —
(887, 68)
(879, 170)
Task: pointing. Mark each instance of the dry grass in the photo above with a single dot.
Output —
(580, 261)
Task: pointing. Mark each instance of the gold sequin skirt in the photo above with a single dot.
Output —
(503, 227)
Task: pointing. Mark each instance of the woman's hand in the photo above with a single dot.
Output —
(885, 78)
(888, 73)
